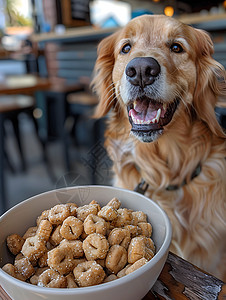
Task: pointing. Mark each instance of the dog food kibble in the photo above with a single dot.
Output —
(74, 247)
(89, 273)
(52, 279)
(15, 243)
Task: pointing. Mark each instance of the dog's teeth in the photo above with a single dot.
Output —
(134, 104)
(152, 121)
(164, 106)
(158, 115)
(135, 121)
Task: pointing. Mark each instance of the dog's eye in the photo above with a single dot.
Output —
(126, 48)
(176, 48)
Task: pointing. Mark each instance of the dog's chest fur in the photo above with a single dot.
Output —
(170, 161)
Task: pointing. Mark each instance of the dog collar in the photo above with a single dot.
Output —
(175, 187)
(143, 186)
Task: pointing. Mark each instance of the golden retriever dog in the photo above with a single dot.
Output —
(158, 83)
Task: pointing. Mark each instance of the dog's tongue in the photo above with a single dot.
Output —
(146, 112)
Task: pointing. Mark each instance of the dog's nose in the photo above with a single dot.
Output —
(142, 71)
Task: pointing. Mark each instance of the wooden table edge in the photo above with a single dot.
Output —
(175, 282)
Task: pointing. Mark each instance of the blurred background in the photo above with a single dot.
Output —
(47, 53)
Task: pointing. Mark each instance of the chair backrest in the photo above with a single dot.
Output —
(69, 61)
(12, 67)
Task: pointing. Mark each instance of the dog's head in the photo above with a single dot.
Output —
(155, 70)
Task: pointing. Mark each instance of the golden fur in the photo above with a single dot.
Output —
(197, 209)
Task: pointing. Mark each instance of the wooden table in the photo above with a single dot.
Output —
(179, 280)
(29, 85)
(23, 84)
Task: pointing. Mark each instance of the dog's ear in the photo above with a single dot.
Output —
(211, 82)
(102, 83)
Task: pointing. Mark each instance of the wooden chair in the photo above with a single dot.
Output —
(80, 109)
(10, 107)
(16, 96)
(69, 67)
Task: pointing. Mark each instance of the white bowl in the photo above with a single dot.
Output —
(130, 287)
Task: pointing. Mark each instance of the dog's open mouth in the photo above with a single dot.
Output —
(147, 115)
